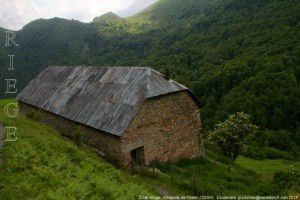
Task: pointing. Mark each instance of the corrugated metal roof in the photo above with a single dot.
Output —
(105, 98)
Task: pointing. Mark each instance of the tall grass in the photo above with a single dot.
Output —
(43, 165)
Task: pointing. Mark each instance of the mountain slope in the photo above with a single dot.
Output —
(110, 24)
(237, 55)
(230, 42)
(168, 12)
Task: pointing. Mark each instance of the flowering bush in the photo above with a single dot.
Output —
(232, 134)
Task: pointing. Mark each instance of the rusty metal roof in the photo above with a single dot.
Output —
(105, 98)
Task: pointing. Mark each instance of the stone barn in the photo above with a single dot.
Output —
(131, 115)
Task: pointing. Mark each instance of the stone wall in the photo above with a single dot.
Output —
(107, 145)
(168, 127)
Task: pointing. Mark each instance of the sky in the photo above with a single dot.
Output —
(14, 14)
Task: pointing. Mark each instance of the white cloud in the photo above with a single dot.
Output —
(14, 14)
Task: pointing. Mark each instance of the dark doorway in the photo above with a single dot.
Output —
(138, 156)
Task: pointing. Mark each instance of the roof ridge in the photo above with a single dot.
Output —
(107, 67)
(148, 74)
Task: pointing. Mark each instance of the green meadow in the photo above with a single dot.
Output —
(267, 167)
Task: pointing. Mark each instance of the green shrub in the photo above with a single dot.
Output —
(259, 153)
(287, 180)
(34, 116)
(233, 134)
(278, 139)
(273, 153)
(254, 152)
(218, 157)
(78, 135)
(296, 137)
(187, 162)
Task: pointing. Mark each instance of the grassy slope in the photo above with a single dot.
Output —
(267, 167)
(42, 164)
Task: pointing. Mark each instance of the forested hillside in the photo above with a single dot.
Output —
(237, 55)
